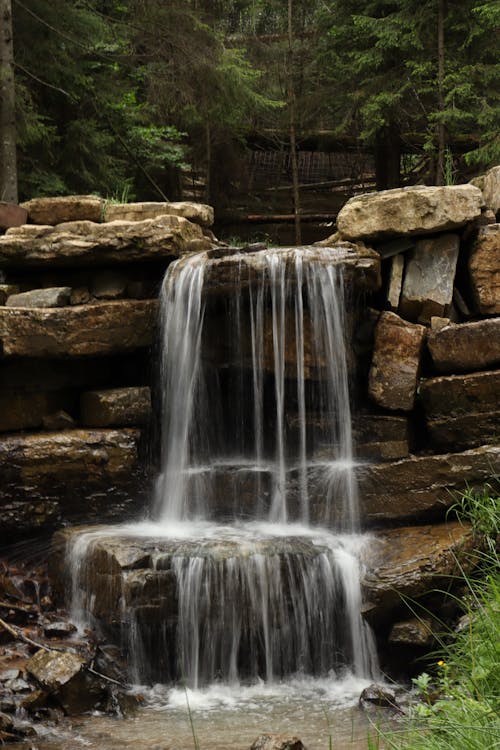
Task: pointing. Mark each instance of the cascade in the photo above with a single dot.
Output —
(250, 565)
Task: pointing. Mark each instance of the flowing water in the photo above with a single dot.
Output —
(255, 508)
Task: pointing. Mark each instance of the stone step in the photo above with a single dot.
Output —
(465, 347)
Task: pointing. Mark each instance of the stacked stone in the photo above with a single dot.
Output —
(78, 308)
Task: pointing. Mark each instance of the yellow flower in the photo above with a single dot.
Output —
(441, 663)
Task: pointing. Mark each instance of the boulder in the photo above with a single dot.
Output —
(6, 290)
(63, 674)
(395, 281)
(421, 487)
(378, 695)
(489, 184)
(461, 410)
(408, 562)
(484, 269)
(199, 213)
(396, 362)
(465, 347)
(413, 632)
(84, 243)
(277, 742)
(429, 276)
(55, 297)
(50, 211)
(116, 407)
(410, 210)
(97, 329)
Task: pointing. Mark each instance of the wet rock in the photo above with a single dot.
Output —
(64, 676)
(489, 184)
(429, 276)
(413, 632)
(199, 213)
(9, 674)
(407, 562)
(277, 742)
(380, 436)
(6, 290)
(461, 410)
(108, 285)
(20, 410)
(421, 487)
(83, 243)
(466, 347)
(35, 700)
(59, 629)
(80, 296)
(56, 297)
(484, 269)
(116, 407)
(101, 328)
(18, 685)
(396, 362)
(378, 695)
(395, 281)
(50, 211)
(411, 210)
(59, 420)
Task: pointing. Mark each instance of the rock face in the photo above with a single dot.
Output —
(199, 213)
(6, 290)
(411, 210)
(381, 437)
(422, 487)
(85, 243)
(101, 328)
(489, 183)
(429, 277)
(65, 208)
(20, 410)
(484, 269)
(410, 561)
(56, 297)
(396, 362)
(462, 410)
(117, 407)
(413, 632)
(466, 347)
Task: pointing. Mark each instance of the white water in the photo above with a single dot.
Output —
(284, 598)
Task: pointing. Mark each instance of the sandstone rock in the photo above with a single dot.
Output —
(429, 276)
(199, 213)
(484, 269)
(489, 184)
(465, 347)
(101, 328)
(20, 410)
(6, 290)
(56, 297)
(64, 208)
(416, 631)
(85, 243)
(396, 362)
(461, 410)
(59, 420)
(59, 629)
(63, 674)
(422, 487)
(79, 296)
(108, 285)
(12, 215)
(395, 281)
(379, 695)
(380, 437)
(409, 562)
(117, 407)
(410, 210)
(277, 742)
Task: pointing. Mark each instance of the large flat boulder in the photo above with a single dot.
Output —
(410, 210)
(87, 330)
(465, 347)
(85, 243)
(421, 487)
(53, 297)
(461, 410)
(396, 362)
(484, 269)
(64, 208)
(199, 213)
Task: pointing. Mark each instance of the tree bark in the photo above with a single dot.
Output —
(388, 158)
(441, 134)
(293, 142)
(8, 162)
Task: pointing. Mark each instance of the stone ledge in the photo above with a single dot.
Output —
(465, 347)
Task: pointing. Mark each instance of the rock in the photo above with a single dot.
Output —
(395, 281)
(64, 676)
(20, 410)
(429, 276)
(465, 347)
(79, 296)
(50, 211)
(410, 210)
(97, 329)
(199, 213)
(141, 289)
(59, 420)
(489, 184)
(277, 742)
(6, 290)
(12, 215)
(461, 410)
(416, 631)
(83, 243)
(59, 629)
(17, 686)
(408, 562)
(396, 362)
(484, 269)
(108, 285)
(116, 407)
(422, 487)
(56, 297)
(381, 437)
(378, 695)
(9, 674)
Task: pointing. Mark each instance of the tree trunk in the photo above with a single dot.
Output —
(293, 143)
(388, 158)
(8, 163)
(441, 134)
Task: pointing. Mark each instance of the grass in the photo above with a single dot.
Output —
(459, 706)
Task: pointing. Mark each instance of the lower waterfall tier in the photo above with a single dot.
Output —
(199, 603)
